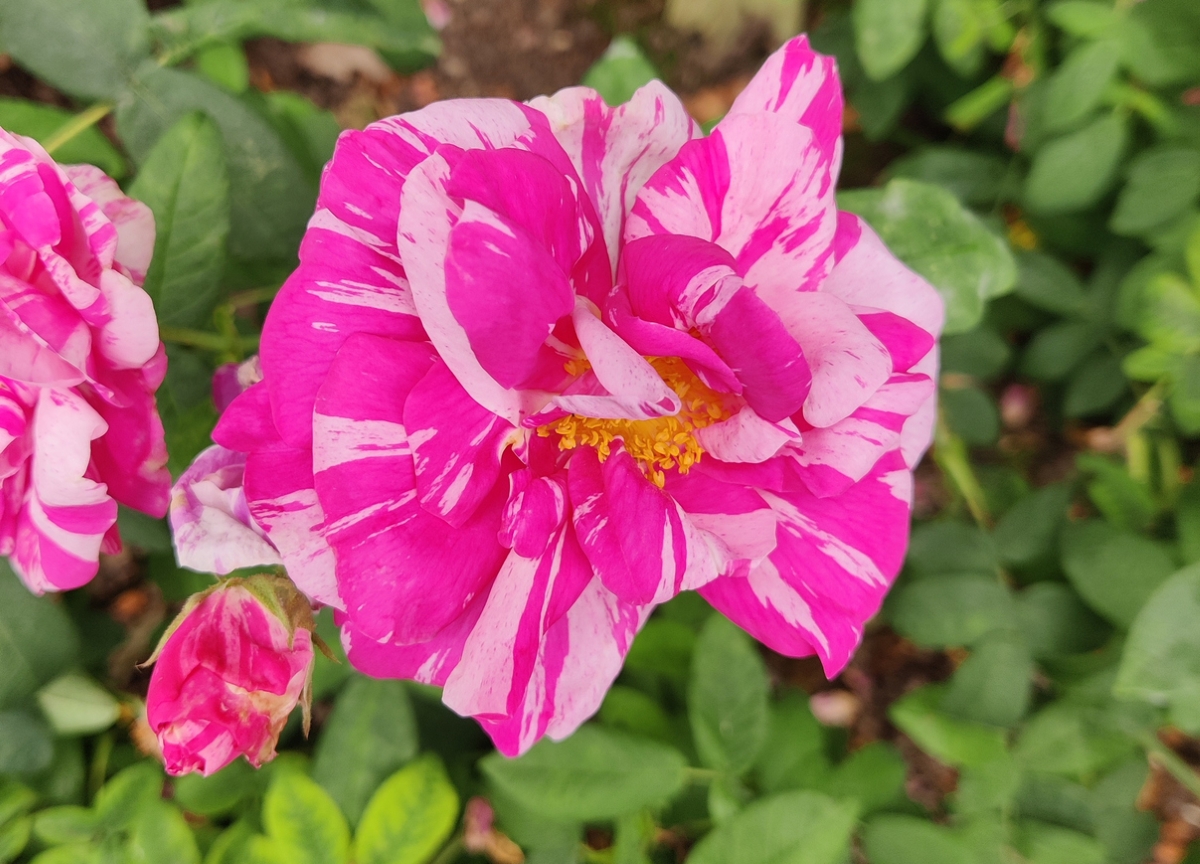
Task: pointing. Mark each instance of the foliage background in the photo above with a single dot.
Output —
(1031, 691)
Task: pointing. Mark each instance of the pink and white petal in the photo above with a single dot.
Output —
(65, 515)
(456, 445)
(390, 552)
(831, 459)
(616, 150)
(132, 455)
(848, 363)
(429, 662)
(747, 437)
(868, 275)
(905, 342)
(501, 653)
(622, 371)
(835, 560)
(211, 524)
(129, 338)
(800, 85)
(246, 423)
(631, 531)
(427, 217)
(917, 434)
(760, 188)
(346, 284)
(25, 356)
(579, 659)
(735, 522)
(133, 220)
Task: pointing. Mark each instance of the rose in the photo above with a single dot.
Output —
(544, 366)
(80, 360)
(228, 672)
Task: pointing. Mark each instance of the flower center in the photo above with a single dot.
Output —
(658, 445)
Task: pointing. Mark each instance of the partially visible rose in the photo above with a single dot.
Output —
(80, 359)
(228, 673)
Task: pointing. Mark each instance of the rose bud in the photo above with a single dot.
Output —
(228, 672)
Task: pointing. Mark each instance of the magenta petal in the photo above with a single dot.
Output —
(835, 560)
(507, 276)
(456, 445)
(631, 531)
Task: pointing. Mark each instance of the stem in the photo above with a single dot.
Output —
(253, 296)
(950, 453)
(700, 776)
(1166, 758)
(207, 341)
(79, 123)
(450, 852)
(1139, 415)
(99, 768)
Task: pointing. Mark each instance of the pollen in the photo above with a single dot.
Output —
(659, 445)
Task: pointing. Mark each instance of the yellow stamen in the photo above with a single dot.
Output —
(658, 445)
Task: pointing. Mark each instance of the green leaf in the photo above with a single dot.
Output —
(992, 685)
(1187, 523)
(1056, 622)
(1126, 503)
(948, 739)
(981, 353)
(931, 232)
(38, 121)
(1029, 531)
(25, 743)
(16, 799)
(125, 795)
(664, 647)
(872, 775)
(143, 532)
(987, 788)
(270, 197)
(959, 30)
(86, 49)
(1080, 82)
(1087, 19)
(1055, 351)
(160, 834)
(888, 34)
(1163, 183)
(409, 818)
(1184, 397)
(184, 181)
(1071, 740)
(1161, 661)
(196, 25)
(1114, 572)
(1160, 39)
(309, 132)
(1127, 833)
(727, 698)
(635, 712)
(37, 640)
(909, 840)
(621, 72)
(232, 844)
(14, 836)
(70, 823)
(595, 774)
(794, 754)
(371, 733)
(217, 794)
(304, 823)
(224, 63)
(1049, 844)
(1094, 386)
(76, 705)
(1049, 284)
(1074, 171)
(974, 178)
(951, 610)
(792, 828)
(971, 414)
(940, 548)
